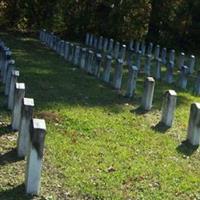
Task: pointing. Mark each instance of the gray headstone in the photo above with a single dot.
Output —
(132, 79)
(107, 69)
(183, 77)
(147, 98)
(13, 81)
(168, 107)
(181, 60)
(116, 50)
(191, 64)
(24, 131)
(118, 73)
(193, 132)
(18, 97)
(34, 157)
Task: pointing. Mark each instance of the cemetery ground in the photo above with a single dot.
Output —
(99, 145)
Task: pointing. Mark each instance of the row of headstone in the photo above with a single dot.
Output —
(168, 109)
(154, 59)
(106, 46)
(91, 62)
(142, 49)
(94, 63)
(31, 131)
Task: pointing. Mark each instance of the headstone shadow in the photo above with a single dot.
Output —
(186, 148)
(139, 111)
(17, 192)
(9, 157)
(160, 127)
(5, 128)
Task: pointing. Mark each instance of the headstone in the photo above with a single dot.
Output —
(7, 57)
(132, 78)
(191, 64)
(169, 75)
(71, 52)
(13, 81)
(143, 48)
(110, 47)
(147, 98)
(91, 40)
(24, 130)
(118, 73)
(105, 44)
(95, 42)
(157, 51)
(34, 157)
(164, 56)
(122, 53)
(18, 97)
(8, 77)
(87, 39)
(62, 48)
(197, 85)
(66, 46)
(107, 69)
(183, 77)
(138, 59)
(116, 50)
(90, 62)
(181, 60)
(168, 107)
(150, 49)
(98, 65)
(130, 58)
(147, 66)
(193, 132)
(77, 55)
(172, 56)
(131, 43)
(100, 44)
(137, 46)
(158, 68)
(83, 57)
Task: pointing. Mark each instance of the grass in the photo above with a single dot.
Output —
(98, 144)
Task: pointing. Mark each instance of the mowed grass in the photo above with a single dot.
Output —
(99, 145)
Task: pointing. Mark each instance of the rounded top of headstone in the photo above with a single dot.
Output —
(28, 101)
(109, 57)
(11, 62)
(120, 61)
(20, 86)
(15, 73)
(150, 79)
(196, 105)
(171, 92)
(134, 68)
(99, 55)
(39, 124)
(91, 52)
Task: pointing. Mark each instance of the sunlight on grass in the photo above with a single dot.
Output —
(98, 146)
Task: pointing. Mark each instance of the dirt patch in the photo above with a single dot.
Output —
(49, 116)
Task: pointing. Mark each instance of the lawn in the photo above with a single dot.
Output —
(98, 143)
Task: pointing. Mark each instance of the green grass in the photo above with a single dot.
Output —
(98, 144)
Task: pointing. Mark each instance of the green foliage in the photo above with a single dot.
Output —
(170, 22)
